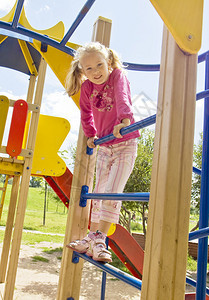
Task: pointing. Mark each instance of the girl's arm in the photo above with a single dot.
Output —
(122, 96)
(122, 102)
(87, 119)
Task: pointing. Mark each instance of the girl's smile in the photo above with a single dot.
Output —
(95, 67)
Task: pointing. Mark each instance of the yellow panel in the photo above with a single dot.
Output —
(56, 31)
(4, 106)
(9, 168)
(184, 21)
(59, 62)
(52, 131)
(2, 38)
(111, 229)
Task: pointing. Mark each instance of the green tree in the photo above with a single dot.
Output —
(36, 182)
(139, 180)
(196, 180)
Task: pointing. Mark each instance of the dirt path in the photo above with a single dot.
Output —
(38, 280)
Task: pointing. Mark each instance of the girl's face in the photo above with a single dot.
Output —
(95, 67)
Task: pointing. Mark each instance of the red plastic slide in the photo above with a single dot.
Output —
(192, 296)
(61, 185)
(127, 250)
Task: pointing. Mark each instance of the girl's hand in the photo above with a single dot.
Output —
(90, 142)
(117, 128)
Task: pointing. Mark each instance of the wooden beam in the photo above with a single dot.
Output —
(31, 107)
(164, 271)
(3, 38)
(23, 193)
(102, 30)
(3, 189)
(9, 227)
(78, 218)
(31, 88)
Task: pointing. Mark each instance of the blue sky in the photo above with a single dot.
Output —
(136, 35)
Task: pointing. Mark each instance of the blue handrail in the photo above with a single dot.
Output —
(204, 198)
(17, 14)
(37, 36)
(77, 21)
(133, 281)
(201, 233)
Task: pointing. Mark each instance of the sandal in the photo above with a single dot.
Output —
(100, 253)
(81, 246)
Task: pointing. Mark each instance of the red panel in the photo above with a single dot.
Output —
(191, 296)
(134, 254)
(61, 185)
(17, 128)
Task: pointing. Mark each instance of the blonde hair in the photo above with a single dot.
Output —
(76, 77)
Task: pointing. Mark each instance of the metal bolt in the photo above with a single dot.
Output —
(190, 37)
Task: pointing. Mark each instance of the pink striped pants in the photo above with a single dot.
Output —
(113, 168)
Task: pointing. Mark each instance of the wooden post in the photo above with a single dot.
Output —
(17, 234)
(31, 88)
(9, 226)
(78, 218)
(13, 202)
(4, 189)
(164, 271)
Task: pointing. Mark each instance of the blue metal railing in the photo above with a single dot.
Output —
(198, 234)
(204, 198)
(142, 197)
(133, 281)
(17, 14)
(77, 21)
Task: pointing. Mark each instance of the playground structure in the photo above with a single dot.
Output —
(164, 269)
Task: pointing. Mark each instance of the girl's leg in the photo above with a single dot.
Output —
(99, 251)
(122, 162)
(85, 245)
(124, 155)
(103, 167)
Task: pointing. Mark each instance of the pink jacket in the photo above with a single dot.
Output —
(105, 105)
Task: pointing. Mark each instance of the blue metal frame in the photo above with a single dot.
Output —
(193, 283)
(141, 197)
(197, 171)
(77, 21)
(141, 67)
(204, 198)
(138, 125)
(133, 281)
(17, 14)
(37, 36)
(198, 234)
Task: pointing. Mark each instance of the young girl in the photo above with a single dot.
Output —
(105, 104)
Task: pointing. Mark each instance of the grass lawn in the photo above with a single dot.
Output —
(55, 220)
